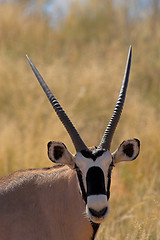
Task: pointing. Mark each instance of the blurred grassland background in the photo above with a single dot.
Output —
(83, 59)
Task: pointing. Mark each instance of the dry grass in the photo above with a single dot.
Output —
(85, 72)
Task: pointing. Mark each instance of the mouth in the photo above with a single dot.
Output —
(97, 216)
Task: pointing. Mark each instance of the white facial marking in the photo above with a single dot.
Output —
(102, 162)
(97, 202)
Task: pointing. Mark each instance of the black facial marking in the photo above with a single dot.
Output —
(95, 181)
(109, 181)
(58, 152)
(92, 154)
(79, 175)
(128, 149)
(98, 214)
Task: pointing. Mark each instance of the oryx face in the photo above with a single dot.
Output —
(92, 169)
(93, 166)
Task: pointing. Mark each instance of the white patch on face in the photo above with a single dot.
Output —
(102, 162)
(97, 203)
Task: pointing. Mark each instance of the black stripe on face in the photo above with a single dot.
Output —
(92, 154)
(79, 175)
(95, 181)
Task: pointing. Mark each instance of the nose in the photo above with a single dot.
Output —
(97, 207)
(98, 214)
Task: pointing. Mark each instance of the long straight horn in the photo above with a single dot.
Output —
(108, 134)
(76, 139)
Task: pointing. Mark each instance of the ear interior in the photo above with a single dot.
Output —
(127, 151)
(58, 153)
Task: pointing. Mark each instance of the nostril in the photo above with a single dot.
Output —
(98, 214)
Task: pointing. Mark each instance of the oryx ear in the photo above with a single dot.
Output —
(58, 153)
(127, 151)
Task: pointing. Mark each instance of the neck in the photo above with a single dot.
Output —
(75, 223)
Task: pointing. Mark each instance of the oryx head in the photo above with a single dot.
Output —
(93, 165)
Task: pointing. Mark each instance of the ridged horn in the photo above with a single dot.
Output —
(108, 134)
(76, 139)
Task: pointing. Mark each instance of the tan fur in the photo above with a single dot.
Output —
(42, 205)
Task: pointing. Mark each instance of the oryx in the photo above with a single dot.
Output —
(70, 201)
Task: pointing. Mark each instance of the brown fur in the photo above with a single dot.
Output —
(42, 205)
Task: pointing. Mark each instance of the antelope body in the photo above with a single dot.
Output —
(70, 201)
(42, 205)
